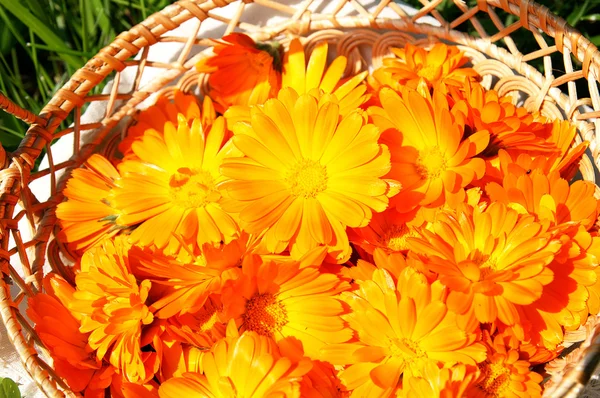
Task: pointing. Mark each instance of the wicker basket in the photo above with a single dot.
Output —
(568, 60)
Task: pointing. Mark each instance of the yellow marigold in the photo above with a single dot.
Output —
(412, 65)
(242, 72)
(241, 365)
(399, 330)
(153, 119)
(430, 157)
(440, 382)
(304, 78)
(172, 191)
(87, 216)
(504, 374)
(113, 309)
(283, 300)
(492, 260)
(306, 174)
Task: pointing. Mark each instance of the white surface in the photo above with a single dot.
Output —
(10, 365)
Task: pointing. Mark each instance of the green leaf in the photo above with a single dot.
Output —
(40, 29)
(595, 40)
(9, 389)
(592, 17)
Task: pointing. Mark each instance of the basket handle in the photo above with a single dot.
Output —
(10, 107)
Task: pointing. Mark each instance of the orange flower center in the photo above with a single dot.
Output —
(431, 163)
(407, 349)
(395, 237)
(265, 315)
(207, 317)
(192, 189)
(487, 264)
(495, 378)
(307, 178)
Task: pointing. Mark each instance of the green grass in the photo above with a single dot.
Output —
(43, 42)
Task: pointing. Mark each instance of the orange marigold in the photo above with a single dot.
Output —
(430, 158)
(503, 374)
(573, 210)
(242, 72)
(510, 127)
(188, 285)
(413, 65)
(493, 260)
(113, 309)
(87, 216)
(58, 328)
(283, 300)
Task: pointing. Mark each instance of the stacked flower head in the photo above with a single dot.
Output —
(307, 233)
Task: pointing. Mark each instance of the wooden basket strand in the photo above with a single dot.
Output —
(504, 66)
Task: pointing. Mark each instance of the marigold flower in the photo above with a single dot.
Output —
(412, 65)
(283, 300)
(399, 330)
(87, 216)
(387, 230)
(430, 158)
(503, 374)
(173, 189)
(188, 285)
(440, 382)
(492, 261)
(551, 198)
(202, 328)
(242, 72)
(304, 78)
(510, 127)
(153, 119)
(73, 358)
(246, 365)
(113, 310)
(306, 175)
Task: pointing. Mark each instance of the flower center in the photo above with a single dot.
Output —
(406, 349)
(495, 378)
(207, 317)
(395, 237)
(265, 315)
(191, 189)
(431, 163)
(307, 179)
(487, 264)
(429, 72)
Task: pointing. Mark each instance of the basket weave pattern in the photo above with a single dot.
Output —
(568, 60)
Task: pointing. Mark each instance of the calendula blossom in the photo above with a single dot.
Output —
(306, 174)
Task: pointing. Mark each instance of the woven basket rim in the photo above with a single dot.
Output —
(113, 57)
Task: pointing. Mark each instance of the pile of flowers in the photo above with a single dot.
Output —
(303, 232)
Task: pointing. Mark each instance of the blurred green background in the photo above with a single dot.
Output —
(43, 42)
